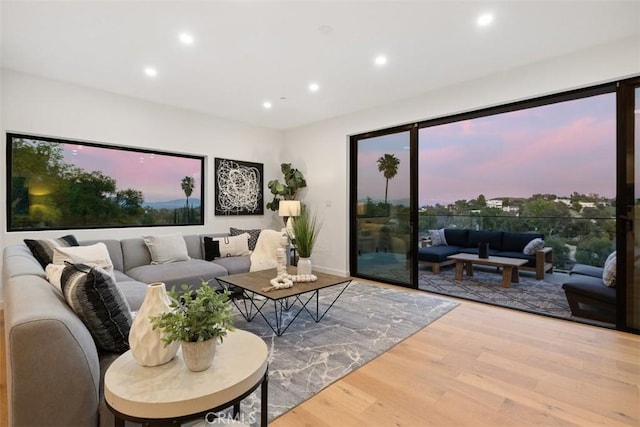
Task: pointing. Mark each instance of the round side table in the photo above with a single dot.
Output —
(170, 394)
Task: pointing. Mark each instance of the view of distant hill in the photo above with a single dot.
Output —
(172, 204)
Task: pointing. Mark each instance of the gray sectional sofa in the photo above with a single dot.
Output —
(501, 243)
(54, 369)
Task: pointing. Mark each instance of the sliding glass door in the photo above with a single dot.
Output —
(382, 209)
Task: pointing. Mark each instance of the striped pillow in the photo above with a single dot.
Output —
(42, 250)
(98, 302)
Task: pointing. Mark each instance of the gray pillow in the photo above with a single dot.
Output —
(166, 248)
(98, 302)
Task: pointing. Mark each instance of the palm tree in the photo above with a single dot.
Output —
(388, 165)
(187, 184)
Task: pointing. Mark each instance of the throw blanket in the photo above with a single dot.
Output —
(263, 256)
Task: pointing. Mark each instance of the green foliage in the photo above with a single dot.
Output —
(594, 251)
(293, 181)
(560, 251)
(196, 315)
(388, 165)
(305, 229)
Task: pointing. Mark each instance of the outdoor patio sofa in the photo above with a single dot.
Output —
(54, 367)
(501, 243)
(588, 296)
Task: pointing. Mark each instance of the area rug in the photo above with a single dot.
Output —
(531, 295)
(365, 322)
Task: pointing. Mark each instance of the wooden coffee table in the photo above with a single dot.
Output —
(510, 273)
(170, 394)
(295, 299)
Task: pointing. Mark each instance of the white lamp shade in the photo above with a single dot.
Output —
(289, 208)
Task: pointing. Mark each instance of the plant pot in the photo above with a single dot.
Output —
(146, 343)
(304, 266)
(198, 355)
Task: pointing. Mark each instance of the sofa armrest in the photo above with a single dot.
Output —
(544, 262)
(53, 373)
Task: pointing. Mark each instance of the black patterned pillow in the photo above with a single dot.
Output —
(43, 249)
(98, 302)
(253, 235)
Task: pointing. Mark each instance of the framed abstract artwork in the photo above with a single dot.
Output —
(55, 183)
(239, 188)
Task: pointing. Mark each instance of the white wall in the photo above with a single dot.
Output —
(45, 107)
(323, 147)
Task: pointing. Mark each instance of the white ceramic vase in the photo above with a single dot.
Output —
(198, 356)
(304, 266)
(146, 345)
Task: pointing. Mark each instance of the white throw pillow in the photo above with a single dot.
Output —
(437, 237)
(533, 246)
(54, 275)
(609, 271)
(234, 245)
(96, 255)
(166, 248)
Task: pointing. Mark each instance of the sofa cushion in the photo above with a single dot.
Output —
(253, 235)
(94, 297)
(515, 242)
(456, 237)
(586, 270)
(42, 250)
(191, 272)
(493, 238)
(234, 264)
(115, 251)
(234, 245)
(166, 248)
(437, 253)
(591, 287)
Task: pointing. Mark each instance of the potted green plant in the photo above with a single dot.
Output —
(197, 319)
(293, 181)
(306, 228)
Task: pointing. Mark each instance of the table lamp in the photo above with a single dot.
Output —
(289, 209)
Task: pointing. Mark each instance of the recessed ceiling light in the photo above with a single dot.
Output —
(267, 105)
(186, 38)
(485, 19)
(380, 60)
(314, 87)
(150, 71)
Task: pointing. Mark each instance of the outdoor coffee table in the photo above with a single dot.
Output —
(293, 300)
(170, 394)
(510, 273)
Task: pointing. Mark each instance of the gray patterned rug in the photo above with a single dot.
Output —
(366, 321)
(531, 295)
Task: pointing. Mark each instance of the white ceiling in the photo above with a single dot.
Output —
(247, 52)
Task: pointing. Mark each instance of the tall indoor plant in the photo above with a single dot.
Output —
(198, 319)
(287, 190)
(306, 228)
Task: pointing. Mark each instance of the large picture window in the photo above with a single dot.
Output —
(61, 184)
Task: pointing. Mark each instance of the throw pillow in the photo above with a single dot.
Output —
(211, 249)
(234, 245)
(42, 250)
(533, 246)
(98, 302)
(253, 235)
(609, 271)
(437, 237)
(54, 275)
(167, 248)
(96, 255)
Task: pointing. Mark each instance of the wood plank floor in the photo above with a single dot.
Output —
(480, 366)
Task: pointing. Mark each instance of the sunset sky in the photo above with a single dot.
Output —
(157, 176)
(558, 149)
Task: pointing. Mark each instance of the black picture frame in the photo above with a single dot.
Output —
(61, 184)
(239, 187)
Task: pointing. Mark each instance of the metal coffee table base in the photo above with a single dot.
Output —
(249, 309)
